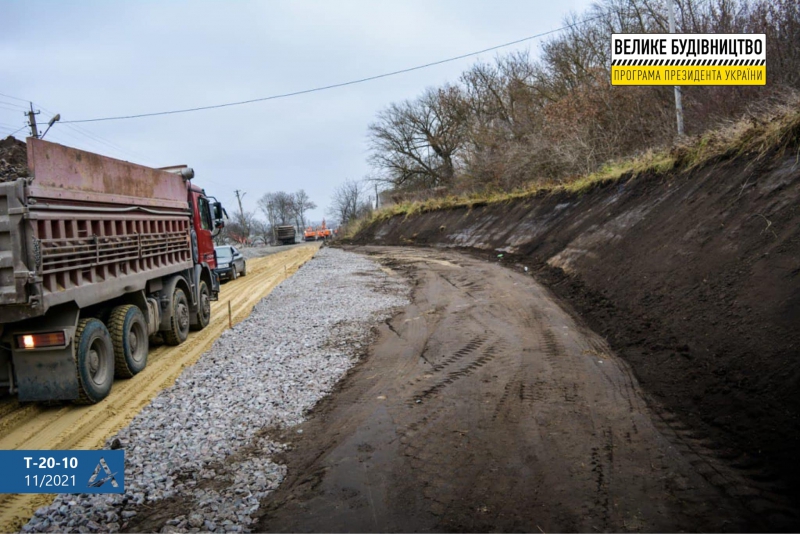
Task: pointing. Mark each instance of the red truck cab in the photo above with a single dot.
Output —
(203, 222)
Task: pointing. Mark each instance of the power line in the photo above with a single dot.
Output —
(14, 98)
(12, 133)
(80, 130)
(5, 105)
(336, 85)
(12, 104)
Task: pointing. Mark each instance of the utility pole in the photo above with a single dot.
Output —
(678, 103)
(377, 199)
(32, 122)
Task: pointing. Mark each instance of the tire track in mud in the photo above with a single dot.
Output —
(509, 390)
(517, 418)
(435, 425)
(602, 461)
(469, 348)
(486, 356)
(735, 475)
(35, 426)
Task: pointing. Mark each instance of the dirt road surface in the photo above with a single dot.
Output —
(484, 406)
(37, 426)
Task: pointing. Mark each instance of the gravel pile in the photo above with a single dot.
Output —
(205, 441)
(13, 159)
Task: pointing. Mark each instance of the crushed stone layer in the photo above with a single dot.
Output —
(33, 426)
(191, 441)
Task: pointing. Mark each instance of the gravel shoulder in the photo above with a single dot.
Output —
(200, 455)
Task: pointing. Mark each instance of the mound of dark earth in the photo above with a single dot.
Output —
(693, 278)
(13, 159)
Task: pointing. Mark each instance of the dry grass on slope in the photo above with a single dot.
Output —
(770, 133)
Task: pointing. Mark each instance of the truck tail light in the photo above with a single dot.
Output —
(38, 341)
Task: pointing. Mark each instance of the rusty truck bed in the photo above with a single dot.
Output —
(87, 228)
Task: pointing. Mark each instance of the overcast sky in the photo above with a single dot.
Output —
(99, 59)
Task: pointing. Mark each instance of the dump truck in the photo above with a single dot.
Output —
(96, 256)
(286, 235)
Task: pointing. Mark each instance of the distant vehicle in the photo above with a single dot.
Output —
(324, 232)
(310, 234)
(286, 235)
(321, 232)
(230, 263)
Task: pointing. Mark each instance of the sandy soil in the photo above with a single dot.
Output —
(484, 406)
(37, 426)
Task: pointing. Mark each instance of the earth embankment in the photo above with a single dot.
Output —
(692, 277)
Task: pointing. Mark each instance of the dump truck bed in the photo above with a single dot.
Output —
(87, 228)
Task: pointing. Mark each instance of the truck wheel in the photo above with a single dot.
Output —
(234, 274)
(244, 268)
(204, 308)
(128, 331)
(94, 359)
(179, 319)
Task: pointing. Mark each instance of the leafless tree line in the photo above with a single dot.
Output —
(277, 209)
(515, 121)
(351, 200)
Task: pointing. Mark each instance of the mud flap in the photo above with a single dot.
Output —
(48, 375)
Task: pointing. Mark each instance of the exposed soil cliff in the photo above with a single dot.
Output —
(694, 278)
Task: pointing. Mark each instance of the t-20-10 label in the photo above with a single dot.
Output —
(100, 471)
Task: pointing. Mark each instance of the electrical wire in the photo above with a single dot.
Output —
(333, 86)
(7, 103)
(15, 131)
(97, 139)
(14, 98)
(77, 129)
(3, 105)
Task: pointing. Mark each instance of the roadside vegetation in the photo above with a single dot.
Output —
(519, 127)
(757, 135)
(274, 209)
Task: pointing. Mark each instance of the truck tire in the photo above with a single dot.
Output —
(234, 274)
(94, 361)
(244, 268)
(178, 329)
(128, 331)
(203, 308)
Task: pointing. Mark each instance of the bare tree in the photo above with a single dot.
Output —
(267, 207)
(262, 229)
(416, 143)
(301, 203)
(238, 232)
(518, 120)
(278, 208)
(350, 201)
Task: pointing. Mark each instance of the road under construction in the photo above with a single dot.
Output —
(31, 426)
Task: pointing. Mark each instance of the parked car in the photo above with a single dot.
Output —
(230, 263)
